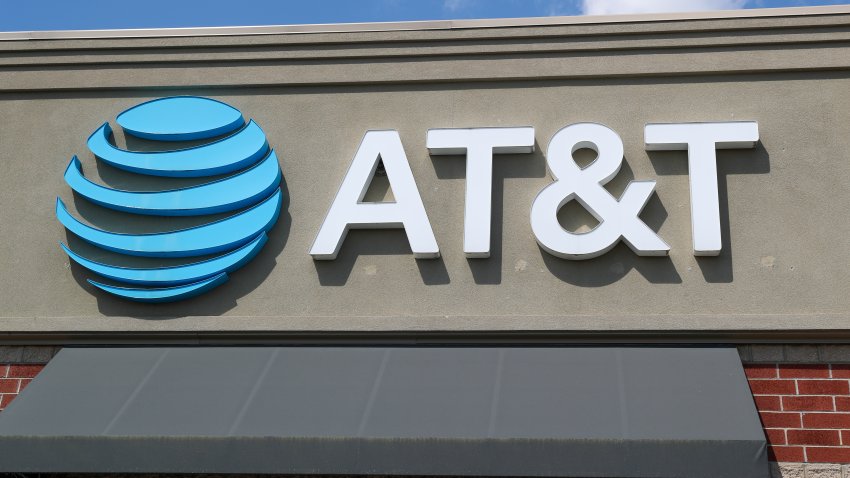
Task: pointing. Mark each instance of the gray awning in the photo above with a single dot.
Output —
(519, 411)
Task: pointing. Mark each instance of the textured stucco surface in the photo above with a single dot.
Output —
(784, 264)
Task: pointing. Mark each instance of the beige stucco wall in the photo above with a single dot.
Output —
(785, 264)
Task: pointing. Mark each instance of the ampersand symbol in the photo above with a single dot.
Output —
(618, 218)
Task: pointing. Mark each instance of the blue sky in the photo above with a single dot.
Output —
(18, 15)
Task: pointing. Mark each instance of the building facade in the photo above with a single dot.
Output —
(775, 290)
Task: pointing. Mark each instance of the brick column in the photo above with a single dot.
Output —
(18, 366)
(802, 393)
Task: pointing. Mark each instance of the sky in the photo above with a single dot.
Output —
(24, 15)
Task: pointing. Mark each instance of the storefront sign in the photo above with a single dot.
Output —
(255, 179)
(618, 217)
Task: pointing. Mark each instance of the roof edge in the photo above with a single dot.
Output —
(422, 25)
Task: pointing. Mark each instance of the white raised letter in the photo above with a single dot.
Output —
(349, 211)
(618, 217)
(479, 145)
(701, 140)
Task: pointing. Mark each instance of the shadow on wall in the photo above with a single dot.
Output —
(729, 162)
(223, 298)
(489, 270)
(394, 242)
(376, 242)
(601, 271)
(604, 270)
(615, 264)
(240, 283)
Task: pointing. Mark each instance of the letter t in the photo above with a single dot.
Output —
(701, 140)
(479, 144)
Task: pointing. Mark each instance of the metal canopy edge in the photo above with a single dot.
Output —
(463, 411)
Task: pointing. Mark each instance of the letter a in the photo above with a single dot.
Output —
(349, 211)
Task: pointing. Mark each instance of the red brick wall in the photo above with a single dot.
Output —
(18, 365)
(13, 379)
(805, 410)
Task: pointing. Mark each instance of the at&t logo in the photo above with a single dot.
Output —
(250, 191)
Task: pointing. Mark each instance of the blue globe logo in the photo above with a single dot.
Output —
(250, 191)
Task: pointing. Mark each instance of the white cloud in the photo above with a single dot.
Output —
(608, 7)
(560, 7)
(454, 5)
